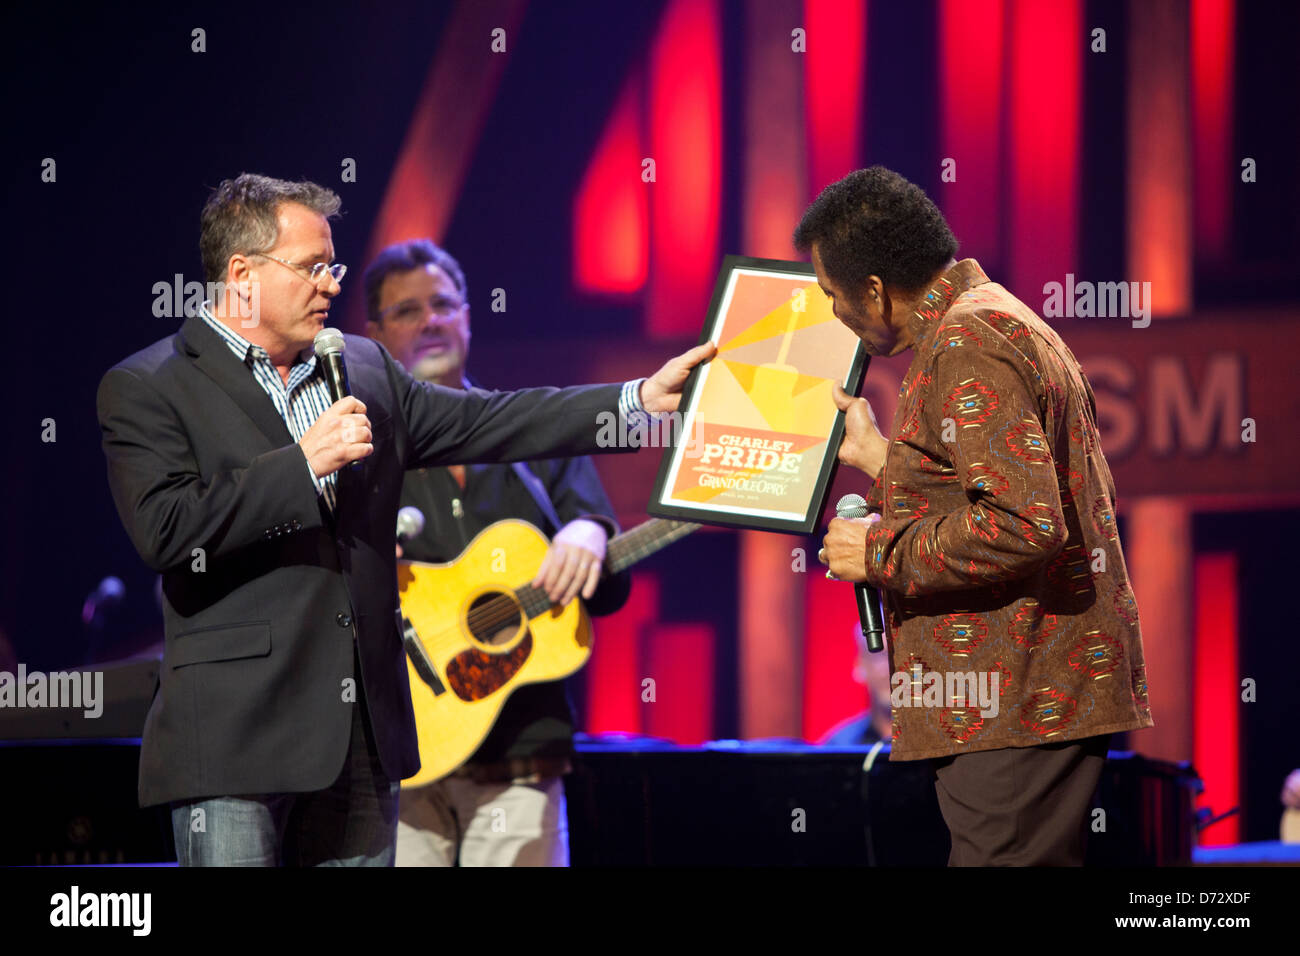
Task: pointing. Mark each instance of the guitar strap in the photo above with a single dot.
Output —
(533, 484)
(538, 491)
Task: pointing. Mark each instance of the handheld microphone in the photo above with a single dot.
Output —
(410, 522)
(328, 345)
(108, 595)
(329, 352)
(868, 598)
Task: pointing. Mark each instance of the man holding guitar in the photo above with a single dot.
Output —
(504, 806)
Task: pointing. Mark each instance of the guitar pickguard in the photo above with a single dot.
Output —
(474, 674)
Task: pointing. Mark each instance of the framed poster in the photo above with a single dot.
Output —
(757, 430)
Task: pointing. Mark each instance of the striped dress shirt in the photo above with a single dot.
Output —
(300, 403)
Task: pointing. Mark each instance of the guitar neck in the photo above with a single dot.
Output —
(644, 540)
(623, 551)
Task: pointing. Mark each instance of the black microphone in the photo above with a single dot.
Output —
(868, 598)
(329, 353)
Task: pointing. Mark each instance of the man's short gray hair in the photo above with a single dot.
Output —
(239, 217)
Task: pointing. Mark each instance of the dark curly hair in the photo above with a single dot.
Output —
(403, 257)
(875, 222)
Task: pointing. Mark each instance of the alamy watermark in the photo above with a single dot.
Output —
(74, 908)
(58, 689)
(178, 299)
(641, 430)
(665, 429)
(946, 689)
(1086, 300)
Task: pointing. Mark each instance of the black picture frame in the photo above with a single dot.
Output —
(703, 514)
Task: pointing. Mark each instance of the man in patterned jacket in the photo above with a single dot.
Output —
(991, 532)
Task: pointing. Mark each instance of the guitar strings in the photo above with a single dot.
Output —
(488, 616)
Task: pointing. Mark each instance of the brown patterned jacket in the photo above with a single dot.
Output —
(998, 553)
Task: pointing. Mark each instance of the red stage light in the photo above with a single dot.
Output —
(836, 65)
(611, 211)
(1216, 692)
(686, 146)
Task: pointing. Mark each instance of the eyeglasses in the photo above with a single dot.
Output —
(337, 271)
(411, 311)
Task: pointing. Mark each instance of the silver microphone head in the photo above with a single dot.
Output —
(328, 342)
(851, 506)
(410, 522)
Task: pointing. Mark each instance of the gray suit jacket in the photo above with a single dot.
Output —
(259, 634)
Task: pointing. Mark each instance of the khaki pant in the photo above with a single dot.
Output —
(455, 819)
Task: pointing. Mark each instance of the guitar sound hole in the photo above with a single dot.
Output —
(494, 618)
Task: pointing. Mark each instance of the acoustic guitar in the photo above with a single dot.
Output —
(475, 630)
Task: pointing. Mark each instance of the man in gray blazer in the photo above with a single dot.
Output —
(283, 720)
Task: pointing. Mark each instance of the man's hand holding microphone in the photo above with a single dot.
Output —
(340, 436)
(844, 549)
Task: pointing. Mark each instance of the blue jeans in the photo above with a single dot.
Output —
(352, 823)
